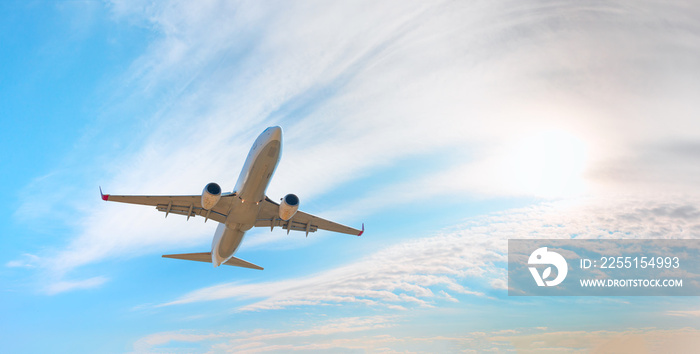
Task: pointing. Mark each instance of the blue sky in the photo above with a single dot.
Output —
(446, 127)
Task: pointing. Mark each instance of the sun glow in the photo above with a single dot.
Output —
(548, 164)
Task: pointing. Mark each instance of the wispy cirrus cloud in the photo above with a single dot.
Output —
(686, 313)
(69, 285)
(257, 340)
(363, 333)
(29, 261)
(398, 277)
(358, 90)
(639, 340)
(469, 260)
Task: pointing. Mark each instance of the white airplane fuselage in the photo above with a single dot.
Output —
(250, 189)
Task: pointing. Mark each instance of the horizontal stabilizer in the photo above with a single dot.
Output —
(206, 257)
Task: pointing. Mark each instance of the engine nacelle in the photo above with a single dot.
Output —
(288, 206)
(211, 195)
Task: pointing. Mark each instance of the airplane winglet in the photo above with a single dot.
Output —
(105, 197)
(363, 230)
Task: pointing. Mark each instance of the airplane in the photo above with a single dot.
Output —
(244, 208)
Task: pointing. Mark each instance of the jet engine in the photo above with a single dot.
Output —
(288, 206)
(210, 195)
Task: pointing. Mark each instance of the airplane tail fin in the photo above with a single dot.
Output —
(206, 257)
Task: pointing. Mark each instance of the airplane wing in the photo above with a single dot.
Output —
(190, 205)
(269, 217)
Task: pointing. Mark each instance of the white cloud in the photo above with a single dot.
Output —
(29, 261)
(398, 277)
(637, 340)
(468, 260)
(360, 86)
(68, 285)
(425, 73)
(370, 334)
(687, 313)
(265, 340)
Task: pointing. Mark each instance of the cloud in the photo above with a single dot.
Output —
(360, 87)
(638, 340)
(68, 285)
(397, 277)
(265, 340)
(467, 260)
(371, 334)
(29, 261)
(147, 343)
(688, 313)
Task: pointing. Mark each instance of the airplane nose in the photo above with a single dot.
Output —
(276, 133)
